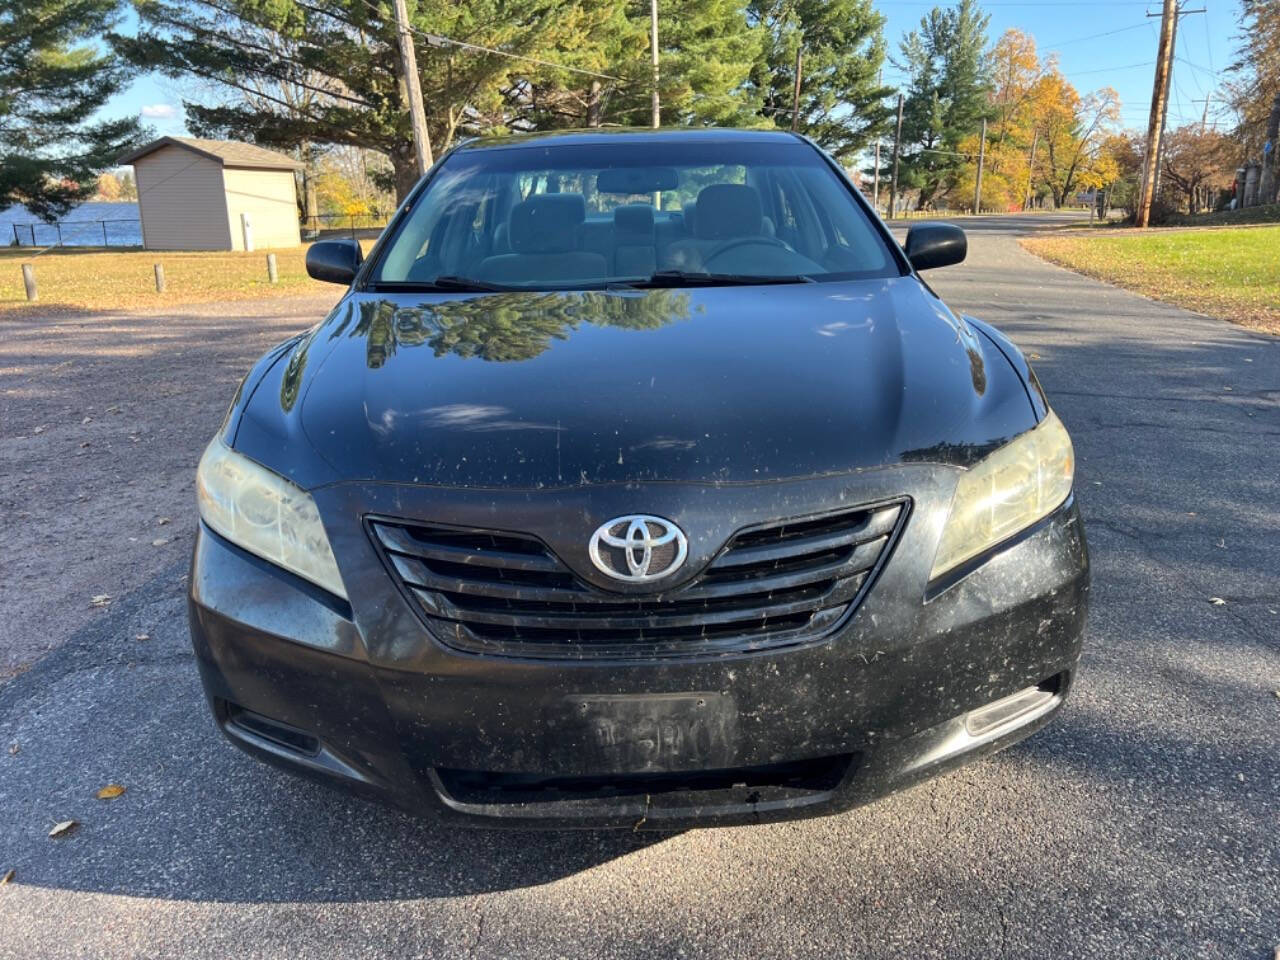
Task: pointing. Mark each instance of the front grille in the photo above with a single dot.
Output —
(507, 594)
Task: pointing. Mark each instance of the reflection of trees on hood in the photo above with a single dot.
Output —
(508, 326)
(292, 378)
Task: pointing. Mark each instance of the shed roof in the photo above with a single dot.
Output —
(229, 153)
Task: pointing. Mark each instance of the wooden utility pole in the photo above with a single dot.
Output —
(1031, 168)
(982, 158)
(1173, 53)
(897, 145)
(875, 183)
(1154, 152)
(795, 92)
(1159, 101)
(413, 90)
(875, 189)
(653, 52)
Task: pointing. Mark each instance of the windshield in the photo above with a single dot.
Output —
(658, 213)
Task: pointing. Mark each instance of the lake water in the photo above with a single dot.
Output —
(88, 225)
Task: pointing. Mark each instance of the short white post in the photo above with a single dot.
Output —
(29, 281)
(271, 267)
(159, 278)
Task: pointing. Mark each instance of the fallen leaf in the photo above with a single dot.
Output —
(14, 749)
(1034, 356)
(159, 541)
(38, 430)
(85, 444)
(110, 791)
(100, 600)
(113, 409)
(143, 636)
(162, 521)
(8, 877)
(86, 420)
(1217, 601)
(66, 826)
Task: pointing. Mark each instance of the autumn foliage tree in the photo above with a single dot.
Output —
(1043, 137)
(1198, 162)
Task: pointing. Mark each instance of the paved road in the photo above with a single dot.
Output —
(1146, 822)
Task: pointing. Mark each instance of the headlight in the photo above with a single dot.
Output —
(265, 514)
(1011, 489)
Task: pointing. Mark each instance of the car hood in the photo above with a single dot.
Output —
(546, 389)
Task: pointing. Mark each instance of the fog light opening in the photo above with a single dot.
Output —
(273, 731)
(1012, 711)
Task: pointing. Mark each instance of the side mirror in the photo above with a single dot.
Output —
(932, 245)
(334, 261)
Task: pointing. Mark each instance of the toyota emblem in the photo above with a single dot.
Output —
(638, 548)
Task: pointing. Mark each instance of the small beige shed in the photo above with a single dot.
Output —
(214, 195)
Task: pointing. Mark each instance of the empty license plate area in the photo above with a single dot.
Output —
(660, 732)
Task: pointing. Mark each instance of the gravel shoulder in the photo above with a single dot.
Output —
(102, 419)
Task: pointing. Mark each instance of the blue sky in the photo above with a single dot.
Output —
(1123, 59)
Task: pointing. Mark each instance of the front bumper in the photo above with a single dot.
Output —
(365, 697)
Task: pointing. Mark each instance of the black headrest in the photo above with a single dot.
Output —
(727, 210)
(634, 218)
(547, 223)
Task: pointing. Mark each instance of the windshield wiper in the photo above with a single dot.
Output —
(446, 283)
(688, 278)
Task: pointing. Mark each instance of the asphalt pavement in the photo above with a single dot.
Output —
(1145, 822)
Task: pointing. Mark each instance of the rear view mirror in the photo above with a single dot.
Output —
(334, 261)
(637, 180)
(932, 245)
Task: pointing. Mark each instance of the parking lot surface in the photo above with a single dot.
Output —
(1144, 823)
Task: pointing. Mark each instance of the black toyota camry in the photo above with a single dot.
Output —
(638, 480)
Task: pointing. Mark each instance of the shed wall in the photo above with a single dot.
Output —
(270, 199)
(181, 201)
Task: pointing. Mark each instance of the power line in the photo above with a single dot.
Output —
(1127, 66)
(1095, 36)
(438, 40)
(1196, 66)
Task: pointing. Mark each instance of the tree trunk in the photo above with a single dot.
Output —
(1267, 183)
(593, 105)
(310, 206)
(404, 166)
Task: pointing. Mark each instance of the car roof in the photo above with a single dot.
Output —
(631, 134)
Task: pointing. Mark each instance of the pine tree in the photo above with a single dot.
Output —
(327, 71)
(706, 50)
(53, 80)
(947, 95)
(842, 103)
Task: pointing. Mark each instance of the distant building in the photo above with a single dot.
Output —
(214, 195)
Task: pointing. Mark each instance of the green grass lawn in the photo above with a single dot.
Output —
(1232, 274)
(114, 279)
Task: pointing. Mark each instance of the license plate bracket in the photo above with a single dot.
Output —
(657, 732)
